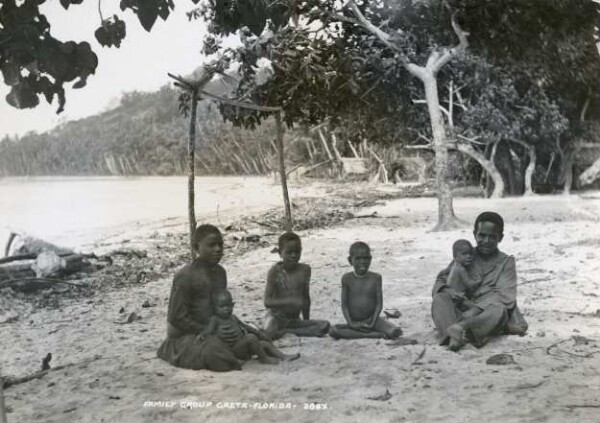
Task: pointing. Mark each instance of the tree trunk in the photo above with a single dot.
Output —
(446, 217)
(568, 171)
(191, 172)
(507, 168)
(488, 182)
(487, 165)
(3, 418)
(284, 187)
(530, 167)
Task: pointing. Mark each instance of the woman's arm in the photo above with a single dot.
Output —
(210, 329)
(178, 314)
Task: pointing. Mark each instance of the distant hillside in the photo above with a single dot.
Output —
(144, 135)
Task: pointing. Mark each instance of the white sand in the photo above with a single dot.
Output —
(554, 239)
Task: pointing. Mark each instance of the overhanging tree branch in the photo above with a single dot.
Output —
(385, 38)
(486, 164)
(463, 43)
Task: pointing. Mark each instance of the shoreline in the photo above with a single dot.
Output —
(555, 242)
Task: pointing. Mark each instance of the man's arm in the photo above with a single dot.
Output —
(306, 295)
(506, 284)
(379, 301)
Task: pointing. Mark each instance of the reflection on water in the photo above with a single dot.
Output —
(71, 209)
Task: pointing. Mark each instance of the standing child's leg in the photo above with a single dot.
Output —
(274, 352)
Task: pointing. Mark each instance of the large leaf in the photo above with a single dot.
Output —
(86, 60)
(22, 96)
(147, 13)
(11, 73)
(103, 37)
(81, 83)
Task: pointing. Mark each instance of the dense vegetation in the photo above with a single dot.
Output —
(144, 135)
(519, 93)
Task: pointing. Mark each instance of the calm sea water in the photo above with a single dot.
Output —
(74, 211)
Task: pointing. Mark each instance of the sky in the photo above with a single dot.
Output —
(141, 63)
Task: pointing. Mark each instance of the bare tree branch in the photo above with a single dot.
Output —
(236, 103)
(442, 109)
(450, 53)
(383, 36)
(471, 140)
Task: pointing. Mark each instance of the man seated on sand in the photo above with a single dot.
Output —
(287, 294)
(191, 308)
(362, 300)
(243, 340)
(495, 298)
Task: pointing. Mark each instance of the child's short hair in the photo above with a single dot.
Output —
(490, 216)
(204, 230)
(460, 245)
(223, 293)
(357, 246)
(287, 237)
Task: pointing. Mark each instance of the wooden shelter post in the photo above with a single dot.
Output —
(286, 198)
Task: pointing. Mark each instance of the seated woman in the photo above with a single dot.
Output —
(190, 309)
(495, 299)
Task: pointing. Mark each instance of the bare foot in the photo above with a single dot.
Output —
(395, 334)
(269, 360)
(456, 333)
(291, 357)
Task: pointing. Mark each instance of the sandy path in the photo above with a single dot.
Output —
(556, 244)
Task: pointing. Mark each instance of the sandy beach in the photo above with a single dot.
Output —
(115, 375)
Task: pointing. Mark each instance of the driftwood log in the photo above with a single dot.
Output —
(21, 266)
(33, 284)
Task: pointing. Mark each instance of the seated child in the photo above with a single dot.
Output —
(287, 294)
(362, 300)
(243, 340)
(462, 278)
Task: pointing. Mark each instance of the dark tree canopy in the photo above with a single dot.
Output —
(35, 63)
